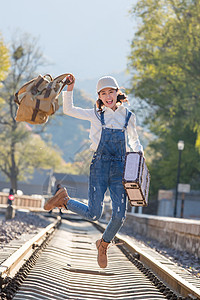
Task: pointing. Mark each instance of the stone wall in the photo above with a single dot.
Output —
(180, 234)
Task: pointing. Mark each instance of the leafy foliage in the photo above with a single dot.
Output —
(165, 66)
(4, 61)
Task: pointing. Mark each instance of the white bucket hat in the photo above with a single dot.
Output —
(107, 82)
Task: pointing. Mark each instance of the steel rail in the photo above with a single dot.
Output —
(70, 261)
(165, 273)
(68, 269)
(11, 265)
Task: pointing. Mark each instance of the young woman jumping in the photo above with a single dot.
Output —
(112, 133)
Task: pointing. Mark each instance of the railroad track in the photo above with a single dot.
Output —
(65, 267)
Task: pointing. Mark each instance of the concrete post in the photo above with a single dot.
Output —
(10, 212)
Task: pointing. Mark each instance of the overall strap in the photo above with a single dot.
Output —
(102, 119)
(128, 115)
(96, 113)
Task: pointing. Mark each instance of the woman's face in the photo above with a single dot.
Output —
(109, 97)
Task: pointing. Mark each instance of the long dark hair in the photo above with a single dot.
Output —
(121, 97)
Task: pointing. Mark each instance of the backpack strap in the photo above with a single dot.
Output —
(48, 90)
(36, 109)
(65, 82)
(16, 100)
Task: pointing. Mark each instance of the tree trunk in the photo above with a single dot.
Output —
(13, 183)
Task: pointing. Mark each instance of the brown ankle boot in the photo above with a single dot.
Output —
(102, 253)
(59, 200)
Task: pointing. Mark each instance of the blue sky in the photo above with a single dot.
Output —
(89, 38)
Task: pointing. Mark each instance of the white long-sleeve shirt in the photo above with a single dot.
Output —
(113, 119)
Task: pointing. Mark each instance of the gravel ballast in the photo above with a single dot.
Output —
(22, 223)
(31, 223)
(181, 258)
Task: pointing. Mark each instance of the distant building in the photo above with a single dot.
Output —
(44, 182)
(76, 185)
(190, 202)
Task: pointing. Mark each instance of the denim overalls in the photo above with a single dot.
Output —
(106, 171)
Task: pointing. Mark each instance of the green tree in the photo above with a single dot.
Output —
(4, 62)
(21, 150)
(165, 66)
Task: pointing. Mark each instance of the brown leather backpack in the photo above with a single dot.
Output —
(38, 98)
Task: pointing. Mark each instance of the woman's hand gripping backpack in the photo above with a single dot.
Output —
(38, 98)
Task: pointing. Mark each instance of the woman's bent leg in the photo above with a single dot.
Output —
(97, 189)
